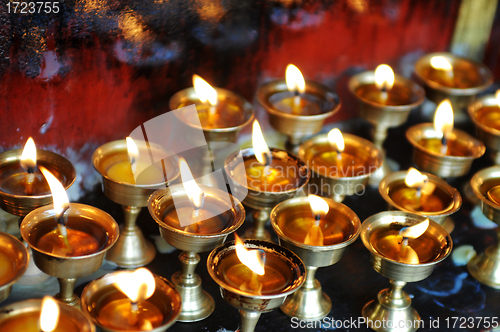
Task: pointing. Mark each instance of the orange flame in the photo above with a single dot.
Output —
(28, 157)
(336, 139)
(49, 315)
(250, 258)
(294, 79)
(204, 91)
(318, 205)
(384, 77)
(441, 63)
(193, 191)
(443, 118)
(59, 196)
(137, 285)
(261, 150)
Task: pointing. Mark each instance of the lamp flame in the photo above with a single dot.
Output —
(497, 96)
(384, 77)
(204, 91)
(59, 196)
(440, 62)
(318, 205)
(253, 259)
(137, 285)
(415, 231)
(28, 157)
(294, 80)
(414, 178)
(193, 191)
(443, 118)
(49, 315)
(261, 150)
(336, 139)
(133, 153)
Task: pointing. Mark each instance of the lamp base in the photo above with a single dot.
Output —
(258, 232)
(196, 304)
(307, 303)
(131, 250)
(486, 267)
(392, 311)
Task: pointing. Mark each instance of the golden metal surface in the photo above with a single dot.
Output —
(21, 205)
(132, 249)
(486, 266)
(68, 269)
(440, 216)
(339, 187)
(263, 201)
(394, 304)
(296, 127)
(18, 255)
(309, 302)
(229, 134)
(196, 303)
(489, 136)
(438, 164)
(165, 297)
(252, 306)
(77, 317)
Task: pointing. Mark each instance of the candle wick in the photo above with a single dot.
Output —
(444, 144)
(60, 218)
(339, 155)
(30, 170)
(317, 219)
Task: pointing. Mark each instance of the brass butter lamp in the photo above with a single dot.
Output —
(15, 257)
(253, 295)
(385, 100)
(486, 266)
(448, 76)
(166, 206)
(132, 249)
(340, 228)
(296, 107)
(391, 239)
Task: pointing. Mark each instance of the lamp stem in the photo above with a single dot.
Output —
(248, 320)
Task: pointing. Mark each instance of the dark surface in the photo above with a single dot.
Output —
(449, 292)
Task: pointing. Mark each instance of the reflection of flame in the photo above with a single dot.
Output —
(132, 27)
(443, 118)
(440, 62)
(204, 91)
(260, 148)
(415, 231)
(497, 96)
(384, 77)
(318, 205)
(336, 139)
(415, 179)
(253, 259)
(294, 79)
(49, 315)
(137, 285)
(28, 157)
(193, 191)
(61, 201)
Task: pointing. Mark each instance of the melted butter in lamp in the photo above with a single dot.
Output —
(115, 315)
(489, 116)
(84, 237)
(406, 197)
(455, 147)
(281, 175)
(397, 96)
(148, 174)
(227, 114)
(208, 225)
(334, 229)
(327, 164)
(387, 241)
(16, 184)
(28, 322)
(276, 278)
(463, 77)
(285, 102)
